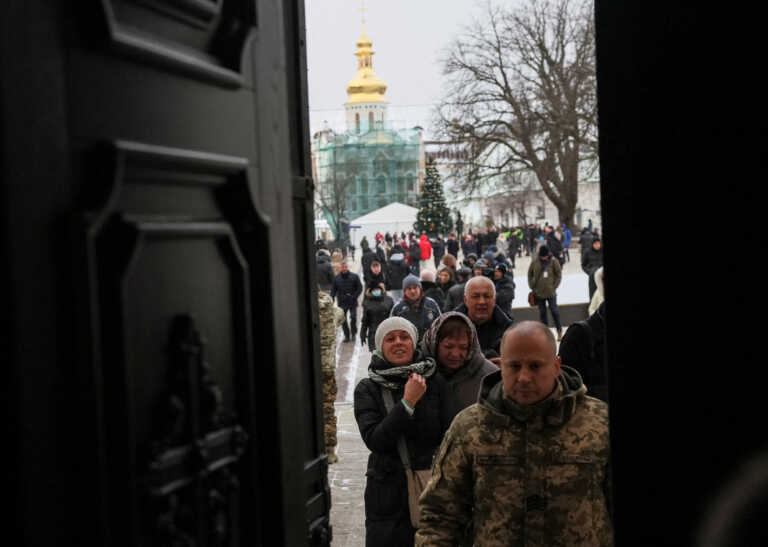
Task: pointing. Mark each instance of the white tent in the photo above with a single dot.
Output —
(395, 217)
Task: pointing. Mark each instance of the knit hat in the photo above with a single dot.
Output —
(395, 323)
(428, 275)
(411, 280)
(488, 256)
(502, 268)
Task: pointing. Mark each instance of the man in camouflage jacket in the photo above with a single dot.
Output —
(527, 465)
(331, 319)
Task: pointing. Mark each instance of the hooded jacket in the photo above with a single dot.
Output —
(464, 381)
(425, 247)
(525, 475)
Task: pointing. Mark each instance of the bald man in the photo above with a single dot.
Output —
(528, 463)
(489, 319)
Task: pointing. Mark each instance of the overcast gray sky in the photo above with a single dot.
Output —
(408, 38)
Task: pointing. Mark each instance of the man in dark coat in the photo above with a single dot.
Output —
(438, 249)
(452, 245)
(397, 270)
(414, 256)
(555, 245)
(591, 260)
(505, 288)
(324, 270)
(346, 289)
(415, 307)
(489, 320)
(583, 348)
(452, 342)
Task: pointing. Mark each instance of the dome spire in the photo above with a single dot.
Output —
(365, 87)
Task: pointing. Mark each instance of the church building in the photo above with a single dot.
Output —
(368, 164)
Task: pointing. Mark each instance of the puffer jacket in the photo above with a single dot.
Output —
(375, 310)
(524, 475)
(505, 293)
(465, 381)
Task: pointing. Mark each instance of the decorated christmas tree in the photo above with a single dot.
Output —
(434, 216)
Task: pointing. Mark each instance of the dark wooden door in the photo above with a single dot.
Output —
(162, 357)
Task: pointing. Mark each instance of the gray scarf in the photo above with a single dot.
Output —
(395, 377)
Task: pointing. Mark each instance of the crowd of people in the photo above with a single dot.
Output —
(511, 429)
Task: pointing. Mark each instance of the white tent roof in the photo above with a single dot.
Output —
(392, 213)
(395, 217)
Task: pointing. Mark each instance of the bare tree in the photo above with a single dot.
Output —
(333, 192)
(522, 95)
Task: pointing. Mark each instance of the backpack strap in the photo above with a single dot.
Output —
(402, 449)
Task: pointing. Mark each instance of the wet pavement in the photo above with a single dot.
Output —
(347, 476)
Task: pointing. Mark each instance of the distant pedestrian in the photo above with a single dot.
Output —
(377, 305)
(438, 249)
(346, 289)
(544, 276)
(425, 248)
(591, 260)
(452, 245)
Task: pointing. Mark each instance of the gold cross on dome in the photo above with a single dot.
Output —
(362, 9)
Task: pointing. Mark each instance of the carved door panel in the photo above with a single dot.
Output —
(184, 279)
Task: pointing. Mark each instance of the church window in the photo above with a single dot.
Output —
(363, 185)
(370, 119)
(382, 185)
(357, 122)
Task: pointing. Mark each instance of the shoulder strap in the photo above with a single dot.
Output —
(389, 403)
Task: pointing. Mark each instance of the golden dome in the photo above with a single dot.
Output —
(365, 87)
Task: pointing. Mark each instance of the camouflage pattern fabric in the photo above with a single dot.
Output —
(533, 476)
(331, 318)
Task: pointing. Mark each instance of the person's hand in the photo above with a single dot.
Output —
(496, 361)
(415, 388)
(362, 339)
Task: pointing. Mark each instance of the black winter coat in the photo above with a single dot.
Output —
(489, 333)
(347, 289)
(452, 246)
(324, 272)
(591, 260)
(433, 291)
(438, 249)
(398, 270)
(583, 348)
(387, 517)
(454, 298)
(415, 253)
(375, 310)
(365, 261)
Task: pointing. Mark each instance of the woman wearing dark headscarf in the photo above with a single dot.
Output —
(452, 342)
(422, 411)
